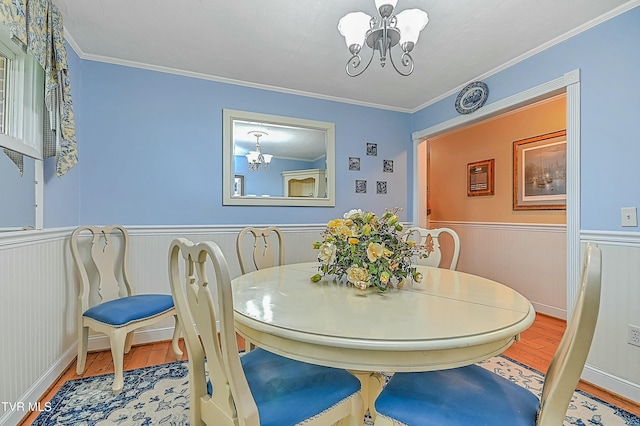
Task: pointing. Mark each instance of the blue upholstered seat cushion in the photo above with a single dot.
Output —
(288, 392)
(120, 312)
(462, 396)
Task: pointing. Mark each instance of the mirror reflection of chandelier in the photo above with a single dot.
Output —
(381, 34)
(257, 160)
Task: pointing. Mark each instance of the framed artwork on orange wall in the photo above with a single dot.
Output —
(540, 172)
(481, 178)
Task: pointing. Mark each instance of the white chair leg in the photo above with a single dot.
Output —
(83, 340)
(118, 338)
(128, 341)
(176, 338)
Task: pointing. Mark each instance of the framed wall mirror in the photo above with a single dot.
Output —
(280, 161)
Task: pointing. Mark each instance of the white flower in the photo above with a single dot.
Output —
(327, 254)
(354, 214)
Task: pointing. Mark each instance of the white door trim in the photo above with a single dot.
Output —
(568, 83)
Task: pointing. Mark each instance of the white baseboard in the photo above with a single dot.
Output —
(38, 389)
(552, 311)
(611, 383)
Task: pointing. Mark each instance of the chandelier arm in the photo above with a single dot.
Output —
(406, 60)
(355, 62)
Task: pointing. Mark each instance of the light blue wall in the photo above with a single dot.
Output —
(150, 148)
(150, 143)
(62, 194)
(608, 57)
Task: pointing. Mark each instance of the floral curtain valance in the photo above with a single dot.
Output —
(36, 26)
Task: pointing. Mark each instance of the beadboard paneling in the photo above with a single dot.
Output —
(37, 310)
(613, 363)
(37, 316)
(531, 259)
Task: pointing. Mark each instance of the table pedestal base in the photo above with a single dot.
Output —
(371, 384)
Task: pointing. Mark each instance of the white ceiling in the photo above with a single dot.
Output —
(294, 45)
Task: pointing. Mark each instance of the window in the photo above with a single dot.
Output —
(22, 92)
(21, 122)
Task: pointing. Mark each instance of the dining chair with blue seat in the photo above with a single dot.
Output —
(259, 388)
(472, 395)
(107, 302)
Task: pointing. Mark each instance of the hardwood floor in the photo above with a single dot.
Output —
(537, 346)
(535, 349)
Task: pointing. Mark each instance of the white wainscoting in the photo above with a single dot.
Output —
(530, 258)
(613, 363)
(37, 308)
(37, 316)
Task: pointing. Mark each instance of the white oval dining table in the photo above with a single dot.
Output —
(449, 319)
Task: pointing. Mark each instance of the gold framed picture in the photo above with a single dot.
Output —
(540, 172)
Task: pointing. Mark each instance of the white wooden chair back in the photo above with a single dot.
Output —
(288, 391)
(568, 362)
(263, 253)
(430, 238)
(101, 257)
(231, 402)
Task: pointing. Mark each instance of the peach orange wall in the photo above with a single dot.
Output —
(449, 155)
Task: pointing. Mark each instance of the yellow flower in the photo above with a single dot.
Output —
(374, 251)
(384, 277)
(345, 231)
(353, 241)
(357, 275)
(366, 230)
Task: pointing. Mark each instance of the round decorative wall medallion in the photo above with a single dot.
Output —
(472, 97)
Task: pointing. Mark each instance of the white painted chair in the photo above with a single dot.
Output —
(263, 254)
(430, 238)
(474, 396)
(259, 388)
(106, 299)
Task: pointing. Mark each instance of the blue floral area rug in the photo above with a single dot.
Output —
(159, 395)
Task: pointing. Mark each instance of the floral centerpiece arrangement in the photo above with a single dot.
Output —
(368, 250)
